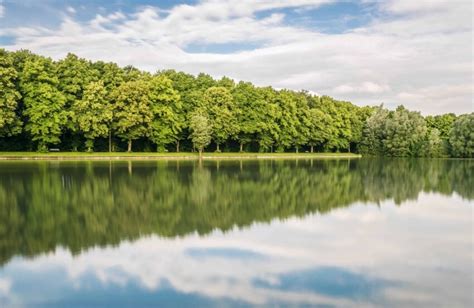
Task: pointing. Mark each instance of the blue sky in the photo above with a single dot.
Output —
(416, 53)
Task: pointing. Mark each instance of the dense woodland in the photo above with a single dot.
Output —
(78, 105)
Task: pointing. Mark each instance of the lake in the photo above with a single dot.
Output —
(361, 232)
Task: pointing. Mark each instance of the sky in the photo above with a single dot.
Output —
(415, 53)
(369, 255)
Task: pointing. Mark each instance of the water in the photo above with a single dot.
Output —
(368, 232)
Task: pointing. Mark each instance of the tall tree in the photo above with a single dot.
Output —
(74, 75)
(112, 76)
(250, 110)
(373, 133)
(287, 121)
(405, 132)
(303, 127)
(269, 128)
(93, 113)
(166, 107)
(10, 123)
(132, 110)
(433, 145)
(319, 128)
(201, 130)
(461, 137)
(186, 86)
(44, 103)
(222, 114)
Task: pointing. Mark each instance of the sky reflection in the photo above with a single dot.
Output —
(418, 253)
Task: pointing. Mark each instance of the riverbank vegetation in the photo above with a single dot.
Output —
(78, 105)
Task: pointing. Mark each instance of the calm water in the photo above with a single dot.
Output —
(367, 232)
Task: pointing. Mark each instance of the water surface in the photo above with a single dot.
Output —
(364, 232)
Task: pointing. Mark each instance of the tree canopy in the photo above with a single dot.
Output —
(77, 104)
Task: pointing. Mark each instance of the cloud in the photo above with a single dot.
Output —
(413, 50)
(382, 242)
(5, 285)
(2, 10)
(71, 10)
(365, 87)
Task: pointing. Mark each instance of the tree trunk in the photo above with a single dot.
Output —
(241, 147)
(271, 149)
(312, 149)
(297, 149)
(200, 154)
(218, 148)
(110, 141)
(129, 145)
(177, 146)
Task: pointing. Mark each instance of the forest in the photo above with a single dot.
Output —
(74, 104)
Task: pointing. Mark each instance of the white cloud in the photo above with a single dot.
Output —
(5, 285)
(2, 10)
(423, 246)
(71, 10)
(364, 87)
(422, 48)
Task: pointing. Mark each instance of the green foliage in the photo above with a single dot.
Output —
(320, 127)
(220, 106)
(166, 107)
(132, 110)
(93, 113)
(10, 123)
(201, 130)
(404, 133)
(443, 123)
(400, 133)
(43, 102)
(250, 111)
(461, 137)
(287, 120)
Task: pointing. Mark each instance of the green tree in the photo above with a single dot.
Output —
(461, 137)
(303, 128)
(287, 121)
(433, 146)
(166, 107)
(10, 123)
(319, 128)
(373, 133)
(44, 103)
(185, 84)
(201, 131)
(221, 109)
(74, 74)
(405, 132)
(270, 112)
(132, 110)
(93, 113)
(112, 76)
(250, 110)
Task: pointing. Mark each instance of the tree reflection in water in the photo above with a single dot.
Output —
(78, 205)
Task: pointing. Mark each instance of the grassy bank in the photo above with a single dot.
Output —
(151, 155)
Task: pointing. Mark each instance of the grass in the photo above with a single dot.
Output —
(168, 155)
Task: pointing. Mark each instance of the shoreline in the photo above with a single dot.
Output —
(6, 156)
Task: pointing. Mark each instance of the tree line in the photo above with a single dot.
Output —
(80, 105)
